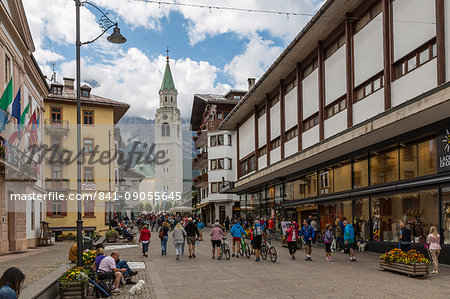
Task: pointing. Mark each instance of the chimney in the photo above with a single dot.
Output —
(251, 83)
(68, 83)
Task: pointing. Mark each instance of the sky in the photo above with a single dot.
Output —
(211, 51)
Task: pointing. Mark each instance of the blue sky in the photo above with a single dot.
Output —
(210, 52)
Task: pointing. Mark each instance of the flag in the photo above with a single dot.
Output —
(16, 114)
(5, 105)
(32, 129)
(7, 97)
(23, 118)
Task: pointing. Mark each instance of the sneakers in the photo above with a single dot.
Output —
(190, 256)
(257, 259)
(308, 258)
(237, 255)
(233, 255)
(219, 258)
(178, 257)
(292, 257)
(213, 257)
(133, 273)
(115, 291)
(193, 255)
(435, 272)
(329, 259)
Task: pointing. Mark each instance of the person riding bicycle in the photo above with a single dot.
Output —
(236, 231)
(257, 239)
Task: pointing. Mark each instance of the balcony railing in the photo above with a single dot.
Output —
(200, 161)
(56, 128)
(60, 185)
(213, 125)
(200, 139)
(88, 186)
(21, 166)
(201, 180)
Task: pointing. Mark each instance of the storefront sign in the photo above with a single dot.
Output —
(443, 151)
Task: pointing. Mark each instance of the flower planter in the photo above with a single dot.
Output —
(111, 240)
(413, 270)
(74, 290)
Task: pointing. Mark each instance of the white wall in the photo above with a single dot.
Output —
(275, 155)
(368, 50)
(247, 137)
(310, 137)
(290, 108)
(447, 39)
(421, 28)
(262, 134)
(335, 76)
(414, 83)
(275, 121)
(336, 124)
(291, 147)
(311, 94)
(262, 162)
(368, 107)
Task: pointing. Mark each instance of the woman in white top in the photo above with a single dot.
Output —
(434, 240)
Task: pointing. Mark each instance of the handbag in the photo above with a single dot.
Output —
(161, 234)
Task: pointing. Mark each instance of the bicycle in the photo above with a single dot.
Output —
(225, 249)
(268, 249)
(244, 248)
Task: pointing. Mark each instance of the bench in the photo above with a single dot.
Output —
(100, 242)
(58, 230)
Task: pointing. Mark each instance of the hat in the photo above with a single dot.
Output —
(190, 218)
(217, 224)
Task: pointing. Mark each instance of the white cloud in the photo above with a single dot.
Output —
(134, 78)
(259, 54)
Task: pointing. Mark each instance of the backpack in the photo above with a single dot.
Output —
(106, 291)
(161, 234)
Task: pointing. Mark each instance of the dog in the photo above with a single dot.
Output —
(361, 246)
(137, 288)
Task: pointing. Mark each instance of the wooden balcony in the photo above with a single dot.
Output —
(200, 162)
(201, 180)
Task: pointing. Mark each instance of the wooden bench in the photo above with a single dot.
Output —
(58, 230)
(100, 241)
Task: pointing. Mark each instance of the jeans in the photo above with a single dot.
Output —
(164, 244)
(124, 265)
(145, 247)
(182, 247)
(339, 243)
(178, 248)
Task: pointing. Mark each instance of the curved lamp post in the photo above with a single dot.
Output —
(105, 23)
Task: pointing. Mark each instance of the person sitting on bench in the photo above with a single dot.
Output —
(127, 233)
(108, 270)
(100, 256)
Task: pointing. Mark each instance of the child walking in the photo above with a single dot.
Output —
(328, 237)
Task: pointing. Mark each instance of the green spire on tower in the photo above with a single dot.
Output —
(167, 83)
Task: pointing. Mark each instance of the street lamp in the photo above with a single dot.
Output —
(105, 23)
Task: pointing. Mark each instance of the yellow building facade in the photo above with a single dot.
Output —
(98, 117)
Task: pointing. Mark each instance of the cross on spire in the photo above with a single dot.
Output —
(167, 56)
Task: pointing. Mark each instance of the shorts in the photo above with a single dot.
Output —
(308, 243)
(327, 247)
(190, 240)
(236, 239)
(257, 242)
(106, 275)
(347, 248)
(215, 243)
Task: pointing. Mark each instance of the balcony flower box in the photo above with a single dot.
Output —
(411, 263)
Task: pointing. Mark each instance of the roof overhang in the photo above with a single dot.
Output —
(324, 22)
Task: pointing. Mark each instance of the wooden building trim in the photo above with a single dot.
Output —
(299, 106)
(440, 41)
(349, 69)
(256, 137)
(387, 41)
(268, 139)
(282, 118)
(321, 80)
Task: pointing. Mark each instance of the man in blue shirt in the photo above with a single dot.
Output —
(236, 231)
(308, 235)
(349, 239)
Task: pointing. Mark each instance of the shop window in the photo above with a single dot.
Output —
(419, 211)
(330, 212)
(342, 176)
(326, 181)
(384, 167)
(360, 172)
(311, 185)
(361, 224)
(427, 157)
(408, 161)
(446, 214)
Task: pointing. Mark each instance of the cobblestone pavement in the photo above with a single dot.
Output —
(203, 277)
(37, 262)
